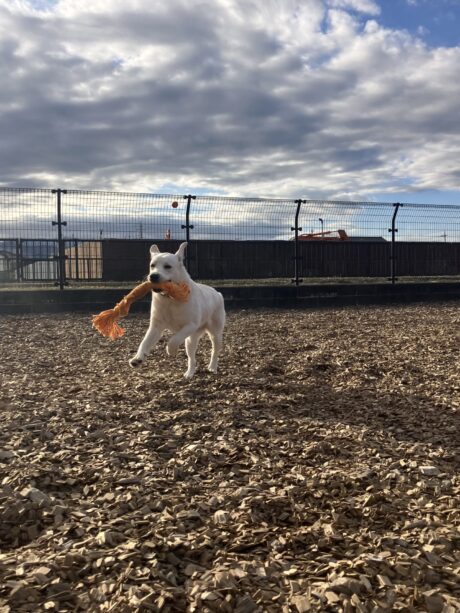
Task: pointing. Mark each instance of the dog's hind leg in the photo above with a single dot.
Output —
(215, 332)
(191, 344)
(216, 342)
(178, 338)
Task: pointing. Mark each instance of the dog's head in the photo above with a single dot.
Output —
(167, 266)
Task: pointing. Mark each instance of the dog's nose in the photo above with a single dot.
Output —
(154, 277)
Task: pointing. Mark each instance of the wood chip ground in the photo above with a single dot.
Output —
(318, 471)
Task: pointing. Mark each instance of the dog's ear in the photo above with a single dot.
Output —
(180, 251)
(154, 249)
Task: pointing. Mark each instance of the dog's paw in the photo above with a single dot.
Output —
(135, 361)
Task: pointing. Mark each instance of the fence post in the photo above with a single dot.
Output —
(296, 230)
(18, 260)
(187, 227)
(393, 231)
(77, 264)
(21, 259)
(61, 257)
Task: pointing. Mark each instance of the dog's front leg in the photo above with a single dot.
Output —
(149, 341)
(179, 337)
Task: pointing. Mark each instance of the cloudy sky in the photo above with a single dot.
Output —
(336, 99)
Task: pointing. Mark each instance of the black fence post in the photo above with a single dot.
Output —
(187, 227)
(296, 231)
(21, 260)
(18, 260)
(393, 231)
(77, 272)
(61, 257)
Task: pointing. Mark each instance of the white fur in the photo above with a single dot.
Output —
(188, 321)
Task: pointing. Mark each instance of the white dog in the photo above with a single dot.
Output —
(188, 321)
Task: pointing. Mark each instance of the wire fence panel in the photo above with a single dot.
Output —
(242, 232)
(343, 239)
(109, 215)
(61, 236)
(241, 219)
(27, 249)
(27, 213)
(105, 232)
(332, 221)
(424, 223)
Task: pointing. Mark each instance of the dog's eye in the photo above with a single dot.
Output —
(168, 266)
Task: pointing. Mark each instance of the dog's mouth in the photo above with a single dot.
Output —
(158, 290)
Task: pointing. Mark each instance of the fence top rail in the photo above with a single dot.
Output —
(216, 198)
(25, 190)
(411, 205)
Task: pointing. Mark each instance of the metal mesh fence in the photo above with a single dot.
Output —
(109, 215)
(63, 236)
(28, 246)
(363, 221)
(27, 213)
(420, 222)
(243, 219)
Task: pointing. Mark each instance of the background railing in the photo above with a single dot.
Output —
(68, 236)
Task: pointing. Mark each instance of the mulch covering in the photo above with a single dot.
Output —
(318, 471)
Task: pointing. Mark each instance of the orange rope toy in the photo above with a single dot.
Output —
(107, 322)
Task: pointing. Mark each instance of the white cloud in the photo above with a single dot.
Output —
(285, 97)
(364, 6)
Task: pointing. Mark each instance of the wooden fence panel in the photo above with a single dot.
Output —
(125, 260)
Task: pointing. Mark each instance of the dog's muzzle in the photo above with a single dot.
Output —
(154, 277)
